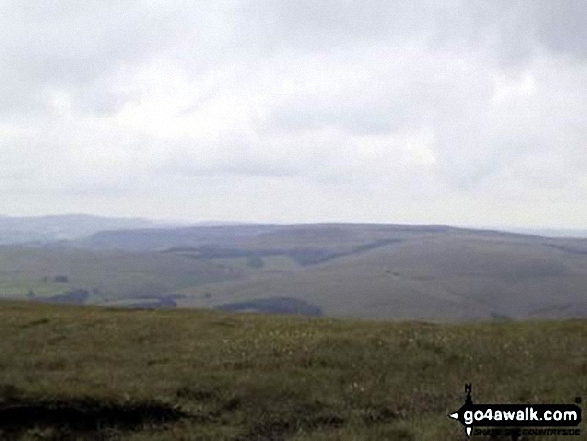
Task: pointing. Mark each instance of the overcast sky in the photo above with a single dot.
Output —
(469, 112)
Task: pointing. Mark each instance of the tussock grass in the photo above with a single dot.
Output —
(252, 377)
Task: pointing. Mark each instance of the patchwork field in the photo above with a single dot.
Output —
(336, 270)
(105, 275)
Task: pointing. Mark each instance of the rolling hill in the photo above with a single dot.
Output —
(338, 270)
(435, 276)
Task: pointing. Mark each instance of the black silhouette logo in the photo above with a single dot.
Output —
(516, 415)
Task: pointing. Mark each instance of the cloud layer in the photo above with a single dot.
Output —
(460, 112)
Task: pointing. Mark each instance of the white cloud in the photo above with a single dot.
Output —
(265, 110)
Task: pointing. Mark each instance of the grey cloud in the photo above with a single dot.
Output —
(68, 45)
(163, 96)
(236, 158)
(355, 121)
(411, 90)
(514, 31)
(520, 30)
(100, 101)
(331, 23)
(562, 26)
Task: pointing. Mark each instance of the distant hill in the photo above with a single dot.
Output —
(141, 239)
(258, 235)
(435, 276)
(46, 229)
(550, 232)
(338, 270)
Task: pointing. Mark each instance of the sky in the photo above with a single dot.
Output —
(469, 112)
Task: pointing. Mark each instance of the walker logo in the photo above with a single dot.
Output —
(545, 419)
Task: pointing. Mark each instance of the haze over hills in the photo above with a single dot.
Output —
(342, 270)
(102, 231)
(549, 232)
(42, 230)
(46, 229)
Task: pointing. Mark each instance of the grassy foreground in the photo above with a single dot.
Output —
(91, 373)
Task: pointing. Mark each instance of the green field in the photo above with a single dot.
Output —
(107, 275)
(355, 271)
(100, 373)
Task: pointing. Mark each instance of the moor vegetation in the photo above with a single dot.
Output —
(70, 372)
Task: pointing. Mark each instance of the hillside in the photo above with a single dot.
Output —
(339, 270)
(434, 276)
(98, 373)
(107, 276)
